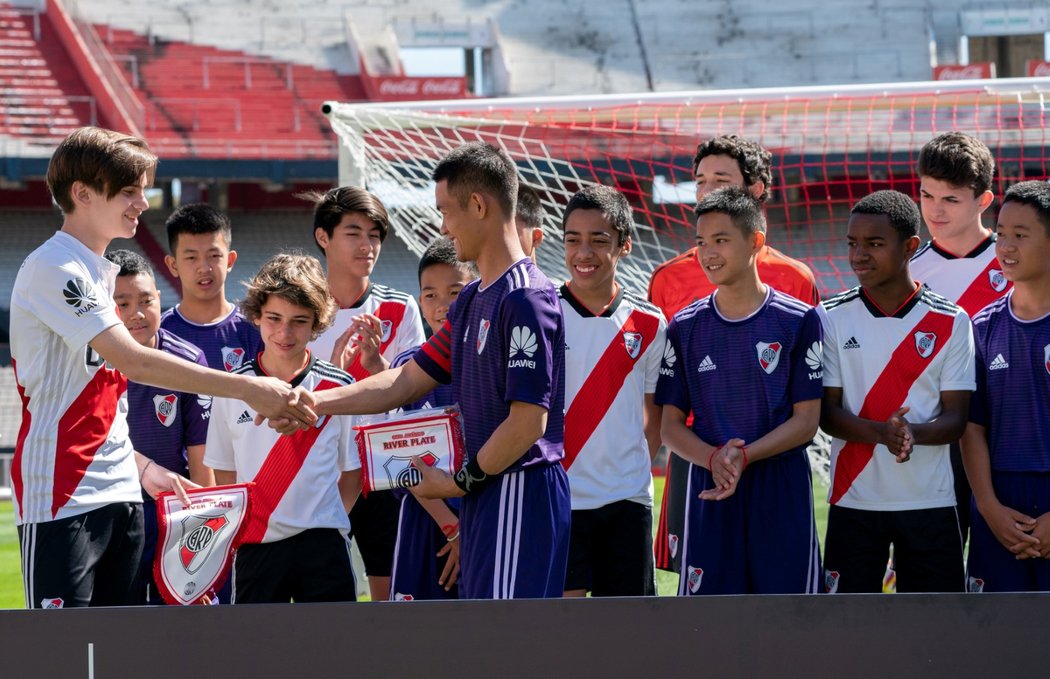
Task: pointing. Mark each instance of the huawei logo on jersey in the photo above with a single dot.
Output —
(815, 360)
(522, 343)
(667, 369)
(79, 295)
(997, 280)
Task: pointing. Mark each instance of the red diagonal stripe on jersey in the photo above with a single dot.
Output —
(275, 476)
(887, 394)
(604, 383)
(82, 430)
(387, 311)
(981, 293)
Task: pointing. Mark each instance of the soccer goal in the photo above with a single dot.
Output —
(831, 145)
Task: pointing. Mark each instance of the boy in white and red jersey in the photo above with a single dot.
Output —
(295, 545)
(1005, 445)
(77, 481)
(373, 325)
(613, 344)
(955, 175)
(898, 372)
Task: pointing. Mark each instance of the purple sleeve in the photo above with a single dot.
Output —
(195, 413)
(531, 325)
(807, 362)
(671, 387)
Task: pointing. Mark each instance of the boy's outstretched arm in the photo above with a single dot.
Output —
(268, 396)
(382, 392)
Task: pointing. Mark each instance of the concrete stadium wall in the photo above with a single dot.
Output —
(769, 636)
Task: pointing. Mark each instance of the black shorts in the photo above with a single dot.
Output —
(373, 524)
(927, 550)
(611, 550)
(312, 566)
(672, 515)
(86, 560)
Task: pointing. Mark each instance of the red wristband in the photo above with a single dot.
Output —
(711, 457)
(449, 529)
(743, 451)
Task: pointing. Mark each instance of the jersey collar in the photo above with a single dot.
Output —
(299, 377)
(583, 311)
(363, 298)
(902, 311)
(976, 252)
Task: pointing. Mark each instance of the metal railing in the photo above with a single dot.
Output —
(248, 62)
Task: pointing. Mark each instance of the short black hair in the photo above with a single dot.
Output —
(330, 206)
(478, 167)
(196, 218)
(1035, 194)
(529, 208)
(130, 263)
(736, 202)
(442, 251)
(755, 162)
(610, 202)
(959, 159)
(899, 208)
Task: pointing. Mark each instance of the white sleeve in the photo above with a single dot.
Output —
(957, 373)
(348, 460)
(832, 370)
(69, 301)
(653, 355)
(218, 451)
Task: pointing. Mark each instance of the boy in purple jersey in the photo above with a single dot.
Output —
(166, 426)
(426, 557)
(502, 348)
(199, 239)
(1005, 446)
(747, 360)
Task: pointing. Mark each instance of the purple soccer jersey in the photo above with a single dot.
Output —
(741, 378)
(226, 344)
(501, 344)
(162, 422)
(1012, 401)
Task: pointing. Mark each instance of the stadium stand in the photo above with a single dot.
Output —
(42, 98)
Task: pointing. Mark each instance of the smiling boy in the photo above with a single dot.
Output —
(746, 360)
(295, 545)
(1004, 447)
(614, 341)
(76, 479)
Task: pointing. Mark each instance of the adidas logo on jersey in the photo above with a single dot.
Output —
(667, 368)
(244, 418)
(998, 363)
(706, 365)
(851, 343)
(522, 343)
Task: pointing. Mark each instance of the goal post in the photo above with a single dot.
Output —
(831, 145)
